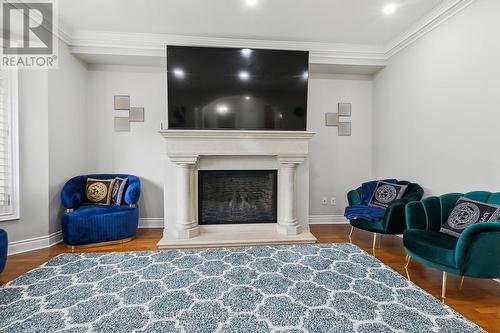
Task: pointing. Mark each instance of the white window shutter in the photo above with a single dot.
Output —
(8, 149)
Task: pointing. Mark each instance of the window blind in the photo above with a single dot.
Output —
(6, 181)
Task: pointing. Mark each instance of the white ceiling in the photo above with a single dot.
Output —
(327, 21)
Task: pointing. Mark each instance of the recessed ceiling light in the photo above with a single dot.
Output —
(178, 73)
(389, 9)
(251, 3)
(244, 75)
(247, 98)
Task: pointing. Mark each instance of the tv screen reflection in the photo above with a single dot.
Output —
(247, 89)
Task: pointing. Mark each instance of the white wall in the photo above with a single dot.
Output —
(139, 152)
(66, 128)
(51, 145)
(436, 106)
(338, 163)
(33, 158)
(67, 100)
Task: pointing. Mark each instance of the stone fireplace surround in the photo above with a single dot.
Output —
(188, 151)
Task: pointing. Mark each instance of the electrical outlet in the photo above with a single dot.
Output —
(333, 201)
(324, 201)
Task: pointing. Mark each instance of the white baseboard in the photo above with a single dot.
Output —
(327, 219)
(36, 243)
(151, 222)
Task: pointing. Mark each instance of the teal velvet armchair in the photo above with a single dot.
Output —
(476, 253)
(393, 220)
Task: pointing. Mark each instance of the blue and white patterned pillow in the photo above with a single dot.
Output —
(468, 212)
(119, 190)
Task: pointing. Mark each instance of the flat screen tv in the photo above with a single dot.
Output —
(235, 88)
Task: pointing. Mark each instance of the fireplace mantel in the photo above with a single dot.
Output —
(236, 142)
(185, 148)
(235, 134)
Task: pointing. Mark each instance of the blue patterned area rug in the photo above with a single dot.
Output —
(285, 289)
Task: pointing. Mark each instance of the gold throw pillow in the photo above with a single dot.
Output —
(99, 191)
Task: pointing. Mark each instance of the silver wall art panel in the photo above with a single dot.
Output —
(136, 114)
(122, 124)
(344, 109)
(122, 102)
(335, 119)
(345, 129)
(331, 119)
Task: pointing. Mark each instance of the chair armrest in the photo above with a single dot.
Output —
(394, 218)
(415, 216)
(353, 197)
(133, 191)
(478, 242)
(73, 191)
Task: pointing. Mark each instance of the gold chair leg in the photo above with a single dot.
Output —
(407, 263)
(443, 287)
(408, 260)
(460, 287)
(350, 234)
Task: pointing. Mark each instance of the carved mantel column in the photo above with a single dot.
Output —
(287, 219)
(186, 226)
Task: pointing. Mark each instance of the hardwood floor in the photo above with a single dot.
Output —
(479, 300)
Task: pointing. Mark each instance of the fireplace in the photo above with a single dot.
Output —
(237, 196)
(279, 157)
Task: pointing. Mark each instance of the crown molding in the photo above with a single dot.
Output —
(63, 34)
(153, 45)
(426, 24)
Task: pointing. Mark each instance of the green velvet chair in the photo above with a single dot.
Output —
(476, 253)
(393, 221)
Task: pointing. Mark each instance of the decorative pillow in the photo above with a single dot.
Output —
(385, 193)
(99, 191)
(468, 212)
(119, 190)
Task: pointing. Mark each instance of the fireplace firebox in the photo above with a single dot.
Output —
(237, 196)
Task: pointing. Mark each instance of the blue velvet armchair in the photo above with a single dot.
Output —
(475, 253)
(4, 245)
(84, 225)
(393, 220)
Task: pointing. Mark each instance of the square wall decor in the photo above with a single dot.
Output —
(122, 102)
(136, 114)
(331, 119)
(345, 109)
(122, 124)
(345, 129)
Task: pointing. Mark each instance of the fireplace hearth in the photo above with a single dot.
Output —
(237, 196)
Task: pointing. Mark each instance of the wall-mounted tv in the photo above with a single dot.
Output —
(236, 88)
